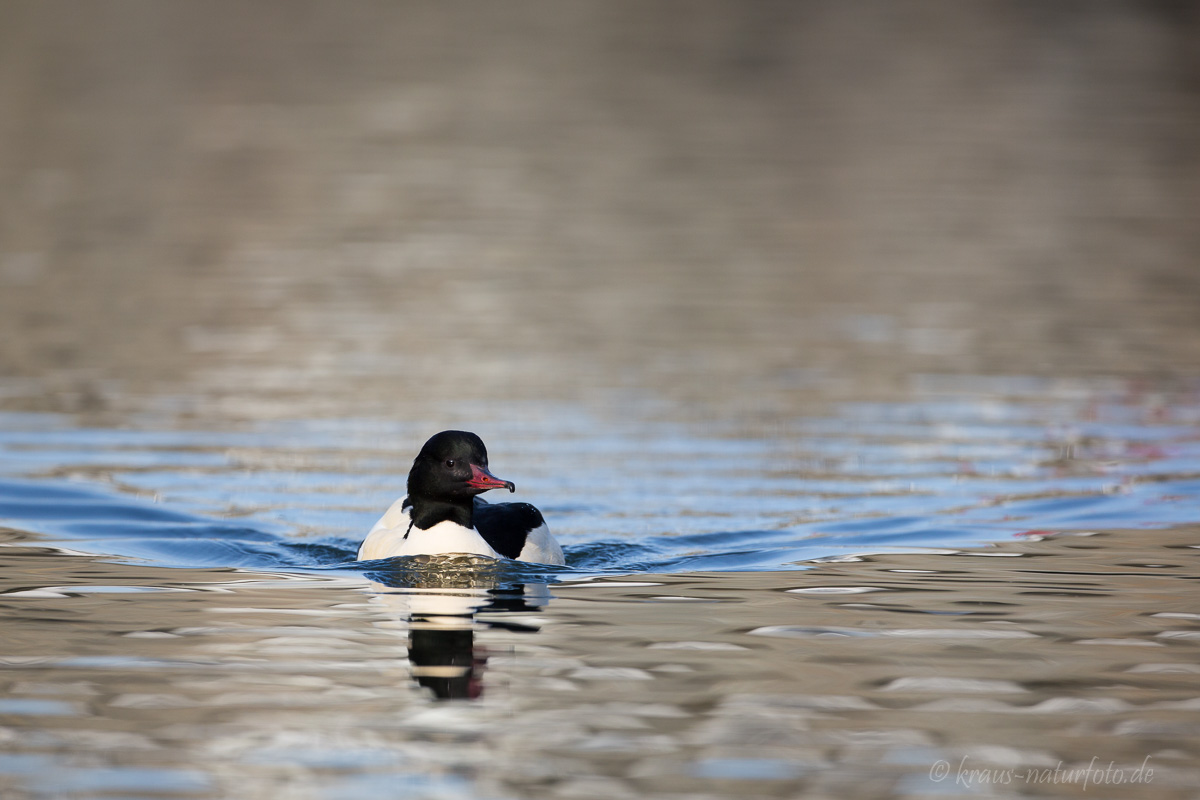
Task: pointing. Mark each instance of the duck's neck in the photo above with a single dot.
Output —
(426, 513)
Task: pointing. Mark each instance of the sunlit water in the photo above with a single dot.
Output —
(954, 596)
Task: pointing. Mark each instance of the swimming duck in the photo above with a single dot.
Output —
(443, 513)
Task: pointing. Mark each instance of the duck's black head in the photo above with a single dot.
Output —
(452, 468)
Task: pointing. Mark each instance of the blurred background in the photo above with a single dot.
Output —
(730, 208)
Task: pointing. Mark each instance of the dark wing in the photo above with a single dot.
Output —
(504, 526)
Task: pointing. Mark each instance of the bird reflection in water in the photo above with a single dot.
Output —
(443, 602)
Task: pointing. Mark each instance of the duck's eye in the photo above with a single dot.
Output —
(450, 462)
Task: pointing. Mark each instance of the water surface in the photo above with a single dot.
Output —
(851, 350)
(950, 596)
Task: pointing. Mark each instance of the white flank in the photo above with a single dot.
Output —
(541, 548)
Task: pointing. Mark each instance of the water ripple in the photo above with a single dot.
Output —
(644, 497)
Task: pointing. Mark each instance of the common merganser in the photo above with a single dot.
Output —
(444, 515)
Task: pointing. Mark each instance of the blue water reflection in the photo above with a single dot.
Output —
(636, 496)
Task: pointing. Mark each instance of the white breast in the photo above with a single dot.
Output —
(391, 536)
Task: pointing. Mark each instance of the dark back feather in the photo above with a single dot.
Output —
(504, 526)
